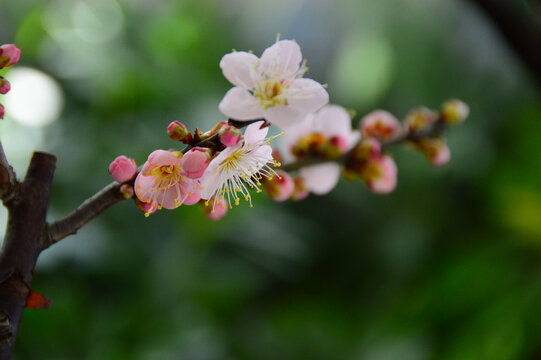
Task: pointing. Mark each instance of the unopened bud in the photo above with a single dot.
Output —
(380, 124)
(454, 111)
(214, 209)
(195, 162)
(127, 191)
(419, 119)
(436, 151)
(177, 131)
(4, 86)
(279, 187)
(9, 55)
(123, 169)
(380, 175)
(300, 191)
(229, 135)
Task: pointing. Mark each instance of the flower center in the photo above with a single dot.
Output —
(166, 173)
(271, 93)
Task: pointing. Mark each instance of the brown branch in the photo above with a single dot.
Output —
(88, 210)
(25, 239)
(8, 180)
(519, 28)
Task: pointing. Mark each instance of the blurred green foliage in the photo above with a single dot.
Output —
(447, 267)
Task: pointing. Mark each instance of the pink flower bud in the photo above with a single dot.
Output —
(147, 208)
(9, 55)
(214, 211)
(419, 119)
(127, 191)
(380, 124)
(123, 169)
(279, 187)
(2, 111)
(340, 142)
(300, 191)
(195, 162)
(4, 86)
(229, 135)
(380, 174)
(177, 131)
(454, 111)
(435, 150)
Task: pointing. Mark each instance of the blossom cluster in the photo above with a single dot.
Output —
(223, 166)
(9, 55)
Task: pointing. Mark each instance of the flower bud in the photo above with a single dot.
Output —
(380, 124)
(229, 135)
(177, 131)
(214, 211)
(418, 120)
(127, 191)
(146, 208)
(454, 111)
(4, 86)
(380, 175)
(300, 191)
(340, 143)
(369, 148)
(9, 55)
(123, 169)
(195, 162)
(279, 187)
(2, 111)
(435, 150)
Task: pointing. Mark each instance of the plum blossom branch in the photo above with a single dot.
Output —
(8, 180)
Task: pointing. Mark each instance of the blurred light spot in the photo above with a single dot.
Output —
(97, 21)
(35, 98)
(362, 70)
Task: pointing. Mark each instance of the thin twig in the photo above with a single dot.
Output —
(8, 180)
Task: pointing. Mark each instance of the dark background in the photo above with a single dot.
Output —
(447, 267)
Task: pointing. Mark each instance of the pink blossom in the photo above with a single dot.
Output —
(280, 187)
(229, 135)
(380, 174)
(4, 86)
(270, 87)
(331, 121)
(195, 162)
(123, 169)
(300, 191)
(9, 55)
(217, 211)
(435, 150)
(380, 124)
(161, 181)
(146, 207)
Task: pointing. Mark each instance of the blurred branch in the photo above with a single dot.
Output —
(24, 240)
(434, 131)
(88, 210)
(522, 32)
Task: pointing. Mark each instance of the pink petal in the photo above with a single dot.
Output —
(387, 182)
(144, 186)
(320, 179)
(162, 158)
(254, 133)
(283, 116)
(281, 59)
(239, 67)
(307, 95)
(239, 104)
(170, 198)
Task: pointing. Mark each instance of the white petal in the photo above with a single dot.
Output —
(239, 104)
(239, 68)
(320, 179)
(281, 59)
(307, 95)
(254, 133)
(283, 116)
(210, 181)
(333, 120)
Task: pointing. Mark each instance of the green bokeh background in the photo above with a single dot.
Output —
(448, 267)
